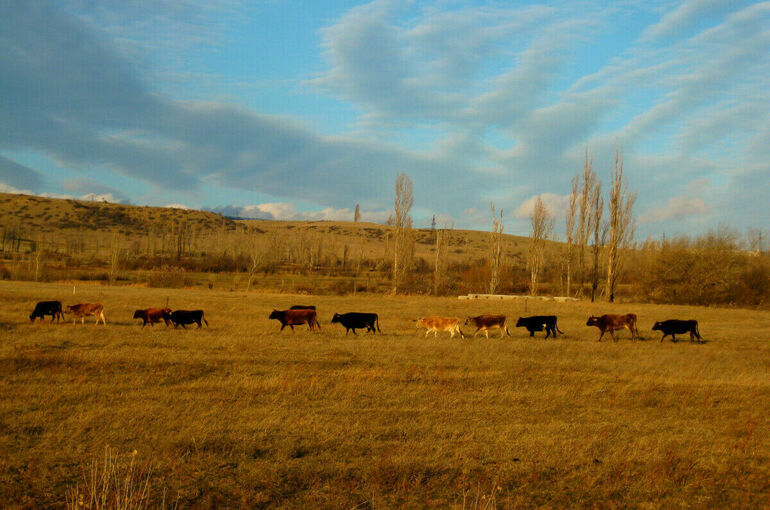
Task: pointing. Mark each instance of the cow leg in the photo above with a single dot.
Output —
(486, 333)
(612, 334)
(531, 333)
(601, 334)
(435, 333)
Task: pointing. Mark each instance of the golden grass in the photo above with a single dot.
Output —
(237, 415)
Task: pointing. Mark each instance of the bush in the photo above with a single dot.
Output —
(171, 278)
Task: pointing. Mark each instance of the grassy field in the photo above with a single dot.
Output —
(238, 415)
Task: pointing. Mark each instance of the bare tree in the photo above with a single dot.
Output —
(570, 228)
(496, 249)
(542, 227)
(440, 263)
(754, 240)
(256, 257)
(621, 224)
(599, 230)
(588, 185)
(357, 214)
(38, 244)
(115, 255)
(402, 247)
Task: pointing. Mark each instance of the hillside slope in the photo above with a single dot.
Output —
(37, 215)
(29, 217)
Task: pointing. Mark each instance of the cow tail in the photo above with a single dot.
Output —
(697, 331)
(377, 322)
(318, 324)
(204, 320)
(555, 325)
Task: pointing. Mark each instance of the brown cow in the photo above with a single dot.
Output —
(293, 318)
(611, 323)
(152, 315)
(81, 310)
(436, 324)
(487, 322)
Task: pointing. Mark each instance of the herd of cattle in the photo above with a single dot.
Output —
(299, 314)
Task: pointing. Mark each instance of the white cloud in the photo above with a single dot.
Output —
(556, 205)
(675, 208)
(287, 211)
(683, 17)
(88, 197)
(5, 188)
(177, 206)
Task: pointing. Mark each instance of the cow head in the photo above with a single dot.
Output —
(657, 327)
(420, 322)
(167, 315)
(336, 317)
(467, 321)
(593, 321)
(520, 323)
(275, 314)
(69, 309)
(138, 314)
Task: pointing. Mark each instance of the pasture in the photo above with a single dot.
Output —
(238, 415)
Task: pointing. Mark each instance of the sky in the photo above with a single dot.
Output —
(301, 109)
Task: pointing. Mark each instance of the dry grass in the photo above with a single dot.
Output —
(238, 415)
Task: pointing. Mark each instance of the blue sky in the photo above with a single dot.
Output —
(300, 110)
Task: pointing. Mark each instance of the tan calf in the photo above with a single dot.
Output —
(436, 324)
(80, 311)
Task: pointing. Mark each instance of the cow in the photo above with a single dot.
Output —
(82, 310)
(611, 323)
(152, 315)
(436, 324)
(486, 322)
(296, 317)
(357, 320)
(302, 307)
(537, 323)
(677, 327)
(43, 308)
(184, 317)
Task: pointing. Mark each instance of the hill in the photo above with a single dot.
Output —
(29, 217)
(40, 215)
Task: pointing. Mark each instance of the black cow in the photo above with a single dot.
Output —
(355, 320)
(537, 323)
(302, 307)
(43, 308)
(676, 327)
(183, 317)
